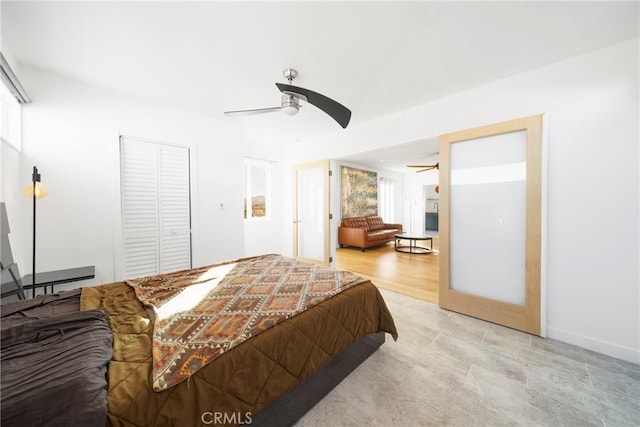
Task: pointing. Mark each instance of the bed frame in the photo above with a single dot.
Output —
(291, 406)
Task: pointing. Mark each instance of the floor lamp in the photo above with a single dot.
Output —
(35, 190)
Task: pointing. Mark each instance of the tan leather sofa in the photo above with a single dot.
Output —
(366, 232)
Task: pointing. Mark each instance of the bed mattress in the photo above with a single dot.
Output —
(86, 357)
(240, 382)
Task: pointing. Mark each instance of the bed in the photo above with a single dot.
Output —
(301, 329)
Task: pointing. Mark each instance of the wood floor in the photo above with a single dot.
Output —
(415, 275)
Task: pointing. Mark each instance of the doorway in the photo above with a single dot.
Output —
(312, 212)
(415, 275)
(431, 209)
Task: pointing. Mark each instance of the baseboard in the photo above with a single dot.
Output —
(604, 347)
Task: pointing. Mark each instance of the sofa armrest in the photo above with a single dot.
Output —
(352, 236)
(396, 226)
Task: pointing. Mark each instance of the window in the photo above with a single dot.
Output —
(387, 199)
(10, 118)
(12, 94)
(257, 188)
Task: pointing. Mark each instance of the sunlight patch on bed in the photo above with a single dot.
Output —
(194, 294)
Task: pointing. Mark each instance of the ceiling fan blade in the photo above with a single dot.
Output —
(425, 167)
(337, 111)
(251, 112)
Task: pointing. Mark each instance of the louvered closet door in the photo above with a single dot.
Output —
(175, 242)
(155, 208)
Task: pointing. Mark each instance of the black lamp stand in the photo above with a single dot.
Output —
(35, 177)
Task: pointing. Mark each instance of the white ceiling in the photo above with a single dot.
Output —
(375, 58)
(396, 158)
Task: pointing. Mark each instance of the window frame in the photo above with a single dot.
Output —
(10, 119)
(247, 188)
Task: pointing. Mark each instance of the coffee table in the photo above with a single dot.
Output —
(413, 239)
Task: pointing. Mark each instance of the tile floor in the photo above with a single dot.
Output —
(451, 370)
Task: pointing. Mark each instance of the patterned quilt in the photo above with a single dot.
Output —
(203, 312)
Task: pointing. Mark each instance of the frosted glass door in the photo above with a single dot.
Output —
(490, 218)
(311, 219)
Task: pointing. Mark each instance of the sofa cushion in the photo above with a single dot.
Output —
(375, 223)
(355, 222)
(374, 236)
(391, 232)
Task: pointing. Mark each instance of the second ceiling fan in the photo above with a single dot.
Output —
(291, 95)
(424, 168)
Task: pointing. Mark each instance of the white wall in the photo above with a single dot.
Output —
(591, 103)
(70, 132)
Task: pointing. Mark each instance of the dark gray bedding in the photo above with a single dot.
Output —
(53, 362)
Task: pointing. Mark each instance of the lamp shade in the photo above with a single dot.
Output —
(40, 190)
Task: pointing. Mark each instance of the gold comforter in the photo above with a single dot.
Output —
(240, 382)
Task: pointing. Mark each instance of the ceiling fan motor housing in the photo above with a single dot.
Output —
(290, 105)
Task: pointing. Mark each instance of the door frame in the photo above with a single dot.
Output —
(118, 138)
(325, 164)
(529, 317)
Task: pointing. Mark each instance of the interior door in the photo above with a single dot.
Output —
(311, 212)
(491, 222)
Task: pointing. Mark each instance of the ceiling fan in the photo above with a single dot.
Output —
(290, 102)
(424, 168)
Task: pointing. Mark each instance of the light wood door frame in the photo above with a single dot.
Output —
(525, 318)
(327, 246)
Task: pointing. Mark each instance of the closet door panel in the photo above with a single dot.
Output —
(156, 234)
